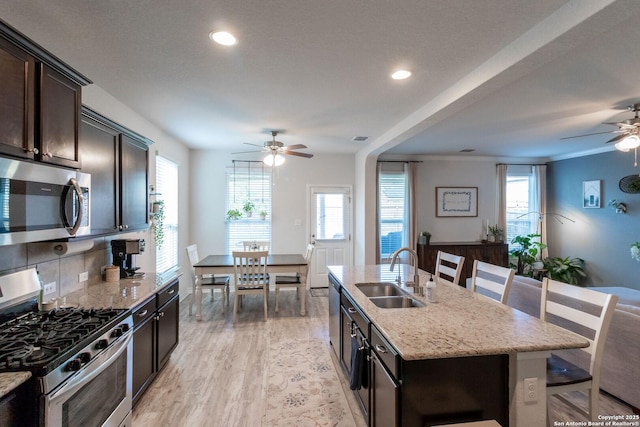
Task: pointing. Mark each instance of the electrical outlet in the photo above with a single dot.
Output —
(49, 288)
(83, 277)
(530, 389)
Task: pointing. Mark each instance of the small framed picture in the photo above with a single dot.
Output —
(591, 193)
(456, 201)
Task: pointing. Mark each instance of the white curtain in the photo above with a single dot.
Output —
(378, 169)
(501, 185)
(411, 210)
(540, 199)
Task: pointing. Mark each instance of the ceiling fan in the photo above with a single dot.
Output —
(626, 128)
(276, 151)
(628, 131)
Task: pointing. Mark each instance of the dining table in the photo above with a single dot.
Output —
(223, 264)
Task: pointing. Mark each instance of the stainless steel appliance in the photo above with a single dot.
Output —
(123, 252)
(334, 316)
(39, 202)
(81, 359)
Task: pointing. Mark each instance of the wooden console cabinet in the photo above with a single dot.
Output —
(493, 253)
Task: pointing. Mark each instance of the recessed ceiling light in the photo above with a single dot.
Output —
(222, 37)
(401, 74)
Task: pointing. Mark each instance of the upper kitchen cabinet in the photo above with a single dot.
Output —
(117, 159)
(40, 101)
(60, 103)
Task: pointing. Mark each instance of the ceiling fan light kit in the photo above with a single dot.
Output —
(276, 151)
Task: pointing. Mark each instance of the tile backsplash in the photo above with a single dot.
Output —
(63, 270)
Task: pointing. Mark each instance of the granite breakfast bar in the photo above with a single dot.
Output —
(452, 335)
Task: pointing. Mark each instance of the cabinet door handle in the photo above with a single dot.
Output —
(351, 310)
(381, 348)
(172, 291)
(161, 314)
(32, 150)
(142, 313)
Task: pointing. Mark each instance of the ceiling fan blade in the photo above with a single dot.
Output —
(618, 138)
(255, 145)
(244, 152)
(295, 153)
(294, 147)
(588, 134)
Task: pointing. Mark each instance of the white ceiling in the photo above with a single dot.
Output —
(503, 77)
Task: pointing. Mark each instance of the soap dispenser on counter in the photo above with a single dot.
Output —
(430, 290)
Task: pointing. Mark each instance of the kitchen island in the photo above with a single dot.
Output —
(441, 346)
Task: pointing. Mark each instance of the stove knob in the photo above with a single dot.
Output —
(84, 357)
(73, 365)
(125, 327)
(101, 344)
(117, 332)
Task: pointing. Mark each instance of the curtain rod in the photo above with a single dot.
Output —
(399, 161)
(522, 164)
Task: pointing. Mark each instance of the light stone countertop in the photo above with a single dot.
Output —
(126, 293)
(10, 380)
(461, 323)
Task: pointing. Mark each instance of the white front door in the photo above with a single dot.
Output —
(330, 230)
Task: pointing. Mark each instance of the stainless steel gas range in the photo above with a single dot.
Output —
(81, 359)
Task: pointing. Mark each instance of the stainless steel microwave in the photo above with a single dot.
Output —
(39, 202)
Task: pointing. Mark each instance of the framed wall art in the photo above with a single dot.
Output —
(591, 193)
(456, 201)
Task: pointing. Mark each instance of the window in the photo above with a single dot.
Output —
(248, 183)
(167, 190)
(392, 211)
(520, 203)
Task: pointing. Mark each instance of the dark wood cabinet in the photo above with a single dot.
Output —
(60, 103)
(155, 336)
(134, 161)
(493, 253)
(17, 101)
(40, 101)
(117, 160)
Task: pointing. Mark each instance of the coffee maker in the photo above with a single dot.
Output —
(123, 256)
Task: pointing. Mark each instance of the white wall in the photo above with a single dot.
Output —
(289, 197)
(466, 172)
(102, 102)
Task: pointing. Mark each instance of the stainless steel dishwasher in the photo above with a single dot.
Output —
(334, 315)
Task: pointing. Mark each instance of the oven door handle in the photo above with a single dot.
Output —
(95, 368)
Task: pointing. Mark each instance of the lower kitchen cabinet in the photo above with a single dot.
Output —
(155, 336)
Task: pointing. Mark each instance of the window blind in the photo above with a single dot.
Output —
(392, 216)
(167, 189)
(248, 183)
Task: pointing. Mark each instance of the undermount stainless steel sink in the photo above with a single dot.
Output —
(379, 289)
(396, 302)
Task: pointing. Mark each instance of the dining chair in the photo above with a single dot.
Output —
(492, 280)
(208, 281)
(251, 278)
(450, 266)
(587, 313)
(256, 245)
(295, 281)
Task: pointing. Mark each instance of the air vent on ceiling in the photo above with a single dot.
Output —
(360, 138)
(467, 150)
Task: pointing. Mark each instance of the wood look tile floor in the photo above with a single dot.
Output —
(216, 376)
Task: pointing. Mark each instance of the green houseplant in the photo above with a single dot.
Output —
(248, 207)
(233, 214)
(496, 232)
(263, 214)
(527, 253)
(424, 238)
(158, 222)
(567, 270)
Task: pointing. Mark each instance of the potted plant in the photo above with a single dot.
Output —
(263, 214)
(527, 253)
(248, 208)
(567, 270)
(157, 223)
(233, 214)
(496, 232)
(424, 238)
